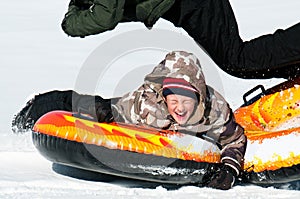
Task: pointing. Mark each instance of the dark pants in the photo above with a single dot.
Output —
(95, 106)
(62, 100)
(212, 24)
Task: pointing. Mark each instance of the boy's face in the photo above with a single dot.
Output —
(180, 107)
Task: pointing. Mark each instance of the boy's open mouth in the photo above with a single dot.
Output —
(181, 114)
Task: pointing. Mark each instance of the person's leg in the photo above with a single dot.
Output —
(272, 55)
(213, 25)
(60, 100)
(38, 106)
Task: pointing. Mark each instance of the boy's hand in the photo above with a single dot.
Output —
(224, 178)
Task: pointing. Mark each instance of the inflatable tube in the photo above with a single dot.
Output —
(124, 150)
(271, 123)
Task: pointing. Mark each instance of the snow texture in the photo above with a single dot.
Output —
(36, 56)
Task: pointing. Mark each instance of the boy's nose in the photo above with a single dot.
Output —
(180, 107)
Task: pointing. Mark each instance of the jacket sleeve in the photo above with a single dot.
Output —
(233, 143)
(143, 107)
(101, 16)
(149, 11)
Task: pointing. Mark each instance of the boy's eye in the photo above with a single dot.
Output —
(187, 102)
(173, 102)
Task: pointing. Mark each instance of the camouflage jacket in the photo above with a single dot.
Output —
(212, 120)
(88, 17)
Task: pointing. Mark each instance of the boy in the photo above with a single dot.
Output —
(173, 96)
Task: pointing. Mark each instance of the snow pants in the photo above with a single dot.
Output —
(212, 24)
(68, 100)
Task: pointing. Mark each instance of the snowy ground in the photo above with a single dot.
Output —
(36, 56)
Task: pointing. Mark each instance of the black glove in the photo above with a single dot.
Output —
(223, 178)
(102, 110)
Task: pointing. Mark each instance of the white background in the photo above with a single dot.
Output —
(36, 56)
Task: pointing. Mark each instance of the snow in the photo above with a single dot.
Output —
(36, 56)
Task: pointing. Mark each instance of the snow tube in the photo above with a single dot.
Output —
(272, 125)
(270, 121)
(124, 150)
